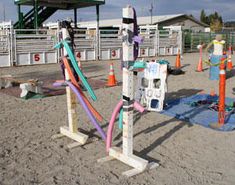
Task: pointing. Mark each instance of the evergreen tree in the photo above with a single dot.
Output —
(203, 16)
(214, 20)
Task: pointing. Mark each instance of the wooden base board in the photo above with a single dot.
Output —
(79, 137)
(134, 171)
(139, 165)
(57, 136)
(76, 144)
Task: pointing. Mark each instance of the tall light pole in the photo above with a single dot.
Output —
(151, 13)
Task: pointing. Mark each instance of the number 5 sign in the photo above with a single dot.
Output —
(36, 57)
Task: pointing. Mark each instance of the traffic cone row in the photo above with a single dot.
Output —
(111, 78)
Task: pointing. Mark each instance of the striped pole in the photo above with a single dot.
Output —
(222, 84)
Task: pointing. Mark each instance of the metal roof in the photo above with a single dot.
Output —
(140, 21)
(62, 4)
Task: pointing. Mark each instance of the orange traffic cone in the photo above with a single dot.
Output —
(199, 66)
(230, 49)
(79, 64)
(229, 63)
(212, 93)
(78, 56)
(177, 62)
(111, 79)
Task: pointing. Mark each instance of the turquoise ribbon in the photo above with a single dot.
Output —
(77, 69)
(120, 121)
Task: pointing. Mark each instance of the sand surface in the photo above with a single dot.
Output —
(187, 154)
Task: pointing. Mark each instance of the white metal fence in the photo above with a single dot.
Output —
(34, 47)
(169, 42)
(27, 47)
(85, 44)
(5, 48)
(148, 47)
(110, 45)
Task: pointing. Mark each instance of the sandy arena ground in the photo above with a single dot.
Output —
(188, 154)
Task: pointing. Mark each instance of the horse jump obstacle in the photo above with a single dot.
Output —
(73, 88)
(126, 154)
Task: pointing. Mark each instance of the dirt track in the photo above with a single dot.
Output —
(188, 154)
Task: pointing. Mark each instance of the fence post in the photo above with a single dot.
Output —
(191, 41)
(15, 49)
(157, 41)
(97, 56)
(181, 42)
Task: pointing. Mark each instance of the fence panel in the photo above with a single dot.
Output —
(35, 47)
(169, 42)
(110, 44)
(199, 38)
(85, 44)
(192, 40)
(148, 47)
(5, 48)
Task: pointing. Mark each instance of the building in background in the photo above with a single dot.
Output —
(185, 21)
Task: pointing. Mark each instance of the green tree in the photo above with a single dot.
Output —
(203, 16)
(216, 25)
(214, 20)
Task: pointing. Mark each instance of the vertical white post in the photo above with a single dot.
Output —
(71, 99)
(126, 155)
(9, 40)
(180, 42)
(127, 90)
(15, 49)
(97, 56)
(72, 130)
(29, 58)
(44, 57)
(71, 106)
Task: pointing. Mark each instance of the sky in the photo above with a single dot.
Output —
(113, 9)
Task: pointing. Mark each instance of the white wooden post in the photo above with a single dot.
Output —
(71, 130)
(126, 154)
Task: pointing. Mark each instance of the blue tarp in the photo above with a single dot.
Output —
(201, 114)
